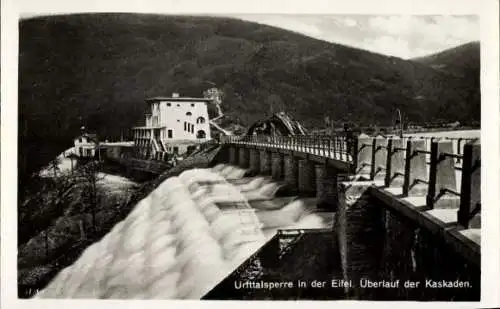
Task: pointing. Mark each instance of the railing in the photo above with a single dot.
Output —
(330, 146)
(374, 156)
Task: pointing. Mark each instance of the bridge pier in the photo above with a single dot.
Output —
(254, 162)
(306, 181)
(277, 166)
(326, 187)
(233, 155)
(265, 162)
(243, 159)
(291, 172)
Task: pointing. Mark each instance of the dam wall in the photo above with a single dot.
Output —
(407, 217)
(385, 219)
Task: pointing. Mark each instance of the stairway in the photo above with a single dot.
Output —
(157, 147)
(164, 148)
(219, 128)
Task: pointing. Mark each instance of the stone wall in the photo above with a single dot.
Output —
(414, 253)
(378, 244)
(360, 233)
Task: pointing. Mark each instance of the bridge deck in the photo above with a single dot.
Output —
(439, 178)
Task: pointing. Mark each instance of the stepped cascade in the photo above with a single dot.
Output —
(185, 237)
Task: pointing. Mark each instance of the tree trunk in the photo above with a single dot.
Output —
(82, 230)
(47, 245)
(94, 203)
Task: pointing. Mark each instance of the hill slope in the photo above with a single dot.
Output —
(463, 60)
(101, 67)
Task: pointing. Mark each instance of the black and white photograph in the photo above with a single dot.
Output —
(167, 155)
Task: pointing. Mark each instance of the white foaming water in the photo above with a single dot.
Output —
(264, 191)
(311, 221)
(236, 173)
(182, 239)
(286, 216)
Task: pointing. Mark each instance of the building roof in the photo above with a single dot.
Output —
(91, 136)
(177, 99)
(148, 127)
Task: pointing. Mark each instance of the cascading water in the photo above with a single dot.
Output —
(185, 237)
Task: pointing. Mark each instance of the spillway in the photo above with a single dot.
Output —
(185, 237)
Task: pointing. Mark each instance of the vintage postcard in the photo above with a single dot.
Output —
(216, 153)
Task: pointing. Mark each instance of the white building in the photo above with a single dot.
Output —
(172, 124)
(86, 145)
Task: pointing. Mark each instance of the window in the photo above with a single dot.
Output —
(168, 104)
(176, 150)
(178, 120)
(178, 105)
(192, 128)
(201, 134)
(188, 114)
(169, 133)
(192, 104)
(200, 120)
(185, 126)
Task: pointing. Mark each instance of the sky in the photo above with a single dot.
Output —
(403, 36)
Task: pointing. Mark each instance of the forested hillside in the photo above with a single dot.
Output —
(97, 69)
